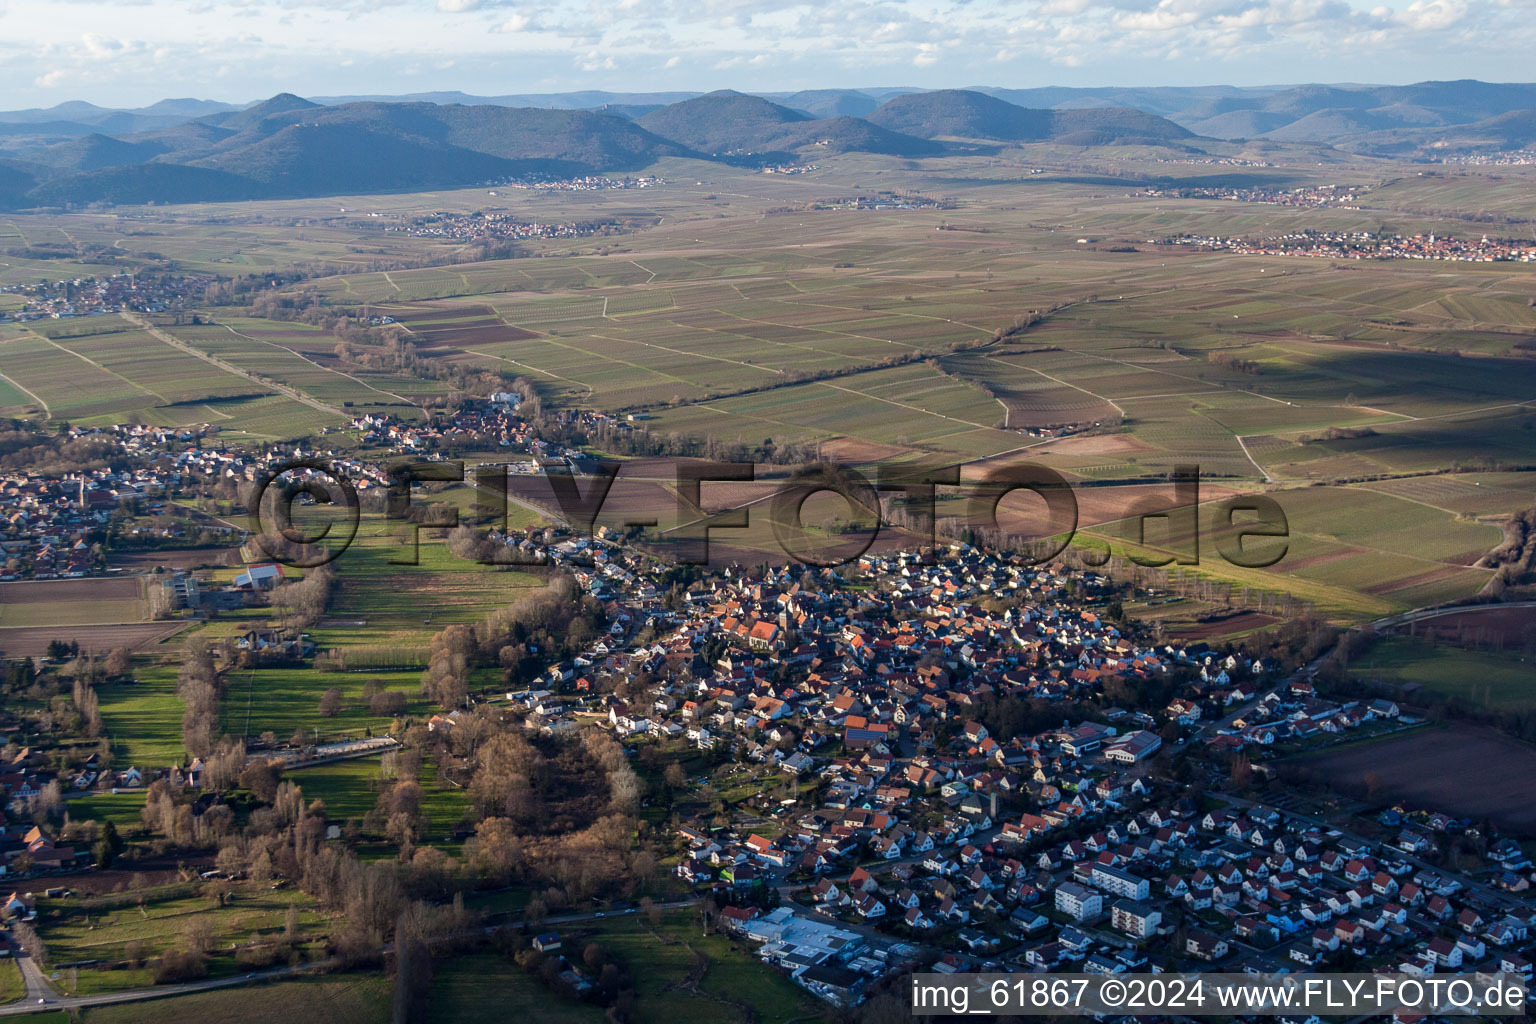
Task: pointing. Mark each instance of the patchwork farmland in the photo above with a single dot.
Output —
(348, 766)
(982, 334)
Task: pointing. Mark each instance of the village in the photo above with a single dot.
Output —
(1342, 197)
(1366, 245)
(884, 201)
(959, 760)
(1506, 158)
(894, 828)
(53, 526)
(582, 183)
(498, 226)
(85, 296)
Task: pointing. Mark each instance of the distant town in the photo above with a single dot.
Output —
(1311, 196)
(1366, 245)
(497, 225)
(82, 296)
(582, 183)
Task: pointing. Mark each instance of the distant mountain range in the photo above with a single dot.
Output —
(291, 147)
(203, 150)
(957, 113)
(730, 123)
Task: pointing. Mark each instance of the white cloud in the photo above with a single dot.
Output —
(146, 49)
(100, 46)
(1433, 15)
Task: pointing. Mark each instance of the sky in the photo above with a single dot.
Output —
(127, 53)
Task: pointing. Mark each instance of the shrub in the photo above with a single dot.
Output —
(176, 967)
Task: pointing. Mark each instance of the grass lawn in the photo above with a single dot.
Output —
(12, 987)
(143, 717)
(406, 604)
(121, 809)
(356, 999)
(349, 789)
(733, 982)
(286, 699)
(506, 901)
(663, 963)
(1480, 678)
(485, 988)
(75, 933)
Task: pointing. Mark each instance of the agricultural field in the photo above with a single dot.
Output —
(711, 323)
(382, 602)
(102, 370)
(363, 998)
(33, 641)
(113, 346)
(67, 386)
(1044, 316)
(1352, 551)
(1465, 190)
(1480, 679)
(81, 602)
(960, 335)
(1487, 627)
(277, 353)
(268, 238)
(1477, 772)
(717, 342)
(97, 614)
(15, 401)
(1466, 493)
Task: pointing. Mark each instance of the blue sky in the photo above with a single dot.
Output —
(131, 52)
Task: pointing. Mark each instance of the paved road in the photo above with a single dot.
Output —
(1420, 614)
(37, 985)
(594, 915)
(41, 996)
